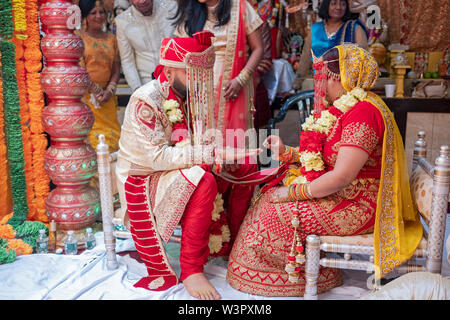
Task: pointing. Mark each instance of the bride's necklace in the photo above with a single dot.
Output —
(315, 129)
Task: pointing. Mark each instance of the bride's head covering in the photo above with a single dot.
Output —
(349, 63)
(397, 229)
(358, 68)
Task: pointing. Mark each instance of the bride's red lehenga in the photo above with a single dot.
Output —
(259, 256)
(378, 200)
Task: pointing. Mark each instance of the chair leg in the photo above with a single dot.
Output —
(312, 266)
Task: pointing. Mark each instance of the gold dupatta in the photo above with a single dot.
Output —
(398, 229)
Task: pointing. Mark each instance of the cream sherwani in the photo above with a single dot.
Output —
(146, 148)
(139, 40)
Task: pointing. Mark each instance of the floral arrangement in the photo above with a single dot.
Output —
(17, 236)
(17, 241)
(219, 238)
(312, 138)
(173, 111)
(32, 56)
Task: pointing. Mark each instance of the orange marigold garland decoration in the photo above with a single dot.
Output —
(25, 121)
(10, 247)
(33, 66)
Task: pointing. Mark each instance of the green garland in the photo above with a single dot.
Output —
(28, 231)
(6, 21)
(13, 134)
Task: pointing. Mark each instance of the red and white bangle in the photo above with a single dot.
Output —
(300, 192)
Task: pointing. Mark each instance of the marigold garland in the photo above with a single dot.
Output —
(33, 66)
(20, 21)
(19, 241)
(6, 22)
(5, 195)
(17, 236)
(13, 133)
(25, 120)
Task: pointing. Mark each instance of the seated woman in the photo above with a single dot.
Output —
(347, 177)
(339, 25)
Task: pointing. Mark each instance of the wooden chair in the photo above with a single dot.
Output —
(113, 225)
(430, 247)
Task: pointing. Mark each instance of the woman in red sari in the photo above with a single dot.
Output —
(239, 50)
(347, 177)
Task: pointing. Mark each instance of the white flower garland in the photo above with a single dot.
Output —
(172, 109)
(323, 124)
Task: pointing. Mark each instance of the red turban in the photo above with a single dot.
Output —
(184, 52)
(195, 55)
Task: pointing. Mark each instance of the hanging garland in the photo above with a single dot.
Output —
(13, 133)
(5, 195)
(17, 236)
(6, 23)
(33, 66)
(24, 121)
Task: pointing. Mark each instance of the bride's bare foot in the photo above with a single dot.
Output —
(199, 287)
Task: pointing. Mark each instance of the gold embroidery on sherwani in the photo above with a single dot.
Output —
(146, 147)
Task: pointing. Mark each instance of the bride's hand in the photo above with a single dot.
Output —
(281, 194)
(231, 154)
(275, 144)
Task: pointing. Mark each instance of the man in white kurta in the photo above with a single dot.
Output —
(139, 32)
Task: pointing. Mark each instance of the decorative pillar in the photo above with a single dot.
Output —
(70, 162)
(400, 72)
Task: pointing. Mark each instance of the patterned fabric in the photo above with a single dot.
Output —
(146, 147)
(417, 23)
(259, 256)
(358, 68)
(361, 127)
(98, 58)
(161, 276)
(230, 45)
(382, 205)
(397, 230)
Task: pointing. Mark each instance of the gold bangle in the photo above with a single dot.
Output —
(287, 155)
(301, 192)
(308, 190)
(292, 192)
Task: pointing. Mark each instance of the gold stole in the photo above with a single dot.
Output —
(398, 229)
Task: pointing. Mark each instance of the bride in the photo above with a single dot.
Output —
(347, 177)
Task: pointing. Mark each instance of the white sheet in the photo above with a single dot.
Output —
(85, 277)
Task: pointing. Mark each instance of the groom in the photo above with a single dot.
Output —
(164, 180)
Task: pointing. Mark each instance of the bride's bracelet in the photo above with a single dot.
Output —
(289, 155)
(300, 192)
